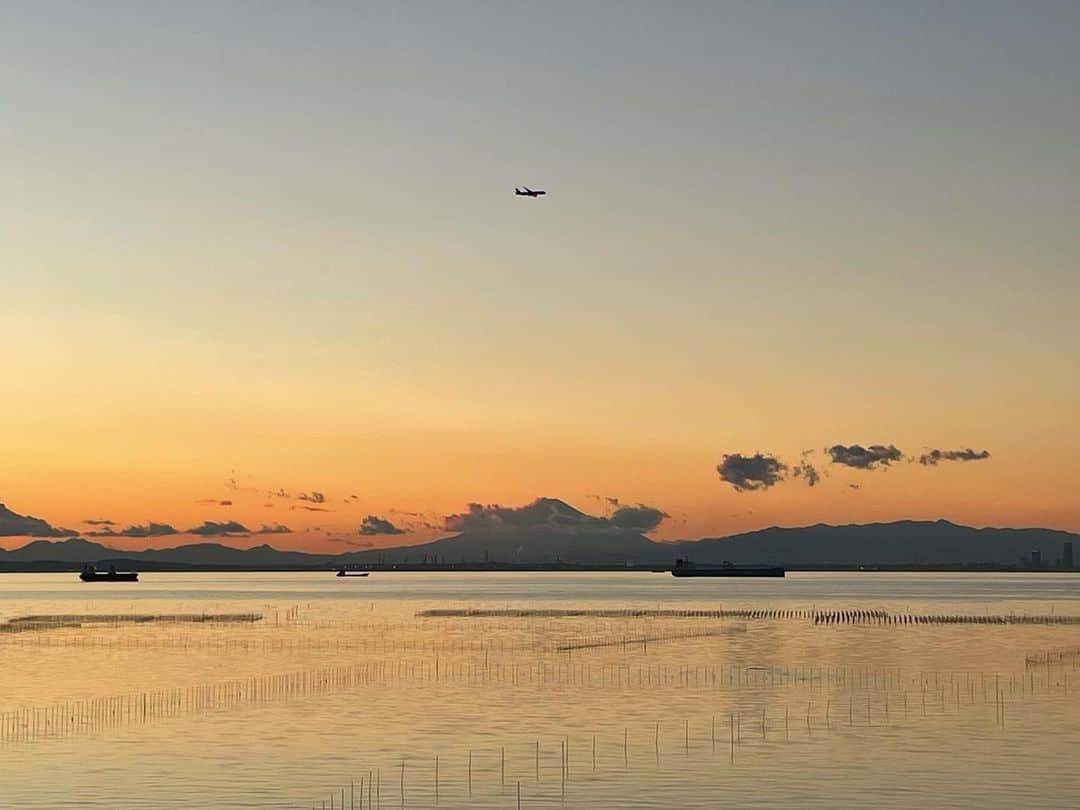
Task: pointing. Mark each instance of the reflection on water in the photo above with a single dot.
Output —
(661, 693)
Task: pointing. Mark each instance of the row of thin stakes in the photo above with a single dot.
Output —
(816, 616)
(614, 613)
(92, 715)
(528, 773)
(883, 617)
(56, 621)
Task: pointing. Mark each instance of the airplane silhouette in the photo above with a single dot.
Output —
(525, 191)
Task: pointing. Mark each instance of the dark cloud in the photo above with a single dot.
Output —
(276, 528)
(864, 458)
(278, 493)
(553, 515)
(934, 456)
(807, 471)
(150, 529)
(97, 522)
(314, 497)
(211, 528)
(640, 518)
(16, 525)
(373, 524)
(310, 508)
(750, 473)
(214, 501)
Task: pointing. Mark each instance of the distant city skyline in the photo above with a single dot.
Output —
(263, 265)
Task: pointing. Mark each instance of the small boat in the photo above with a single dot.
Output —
(685, 568)
(344, 572)
(91, 574)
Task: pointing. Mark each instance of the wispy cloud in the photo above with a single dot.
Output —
(275, 528)
(374, 525)
(150, 529)
(932, 458)
(212, 528)
(864, 458)
(806, 470)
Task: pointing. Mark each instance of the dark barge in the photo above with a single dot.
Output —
(91, 574)
(685, 568)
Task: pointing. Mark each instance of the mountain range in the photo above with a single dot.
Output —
(550, 532)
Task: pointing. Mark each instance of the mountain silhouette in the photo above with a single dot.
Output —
(550, 532)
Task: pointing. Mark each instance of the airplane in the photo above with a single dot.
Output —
(525, 191)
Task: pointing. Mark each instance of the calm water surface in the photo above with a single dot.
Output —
(344, 680)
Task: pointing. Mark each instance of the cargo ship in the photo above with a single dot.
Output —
(344, 572)
(685, 568)
(91, 574)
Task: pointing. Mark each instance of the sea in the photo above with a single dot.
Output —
(540, 690)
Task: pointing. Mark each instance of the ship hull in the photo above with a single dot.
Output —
(727, 572)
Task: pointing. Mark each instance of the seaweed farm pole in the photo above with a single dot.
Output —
(469, 780)
(538, 760)
(562, 781)
(436, 779)
(502, 765)
(519, 796)
(626, 747)
(594, 753)
(732, 737)
(403, 783)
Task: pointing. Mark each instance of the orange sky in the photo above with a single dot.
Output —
(292, 256)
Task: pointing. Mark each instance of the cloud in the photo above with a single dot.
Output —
(214, 501)
(16, 525)
(807, 471)
(373, 524)
(96, 522)
(210, 528)
(314, 497)
(310, 508)
(864, 458)
(150, 529)
(278, 493)
(551, 515)
(276, 528)
(934, 456)
(640, 518)
(751, 473)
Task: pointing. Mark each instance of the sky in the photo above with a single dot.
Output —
(257, 247)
